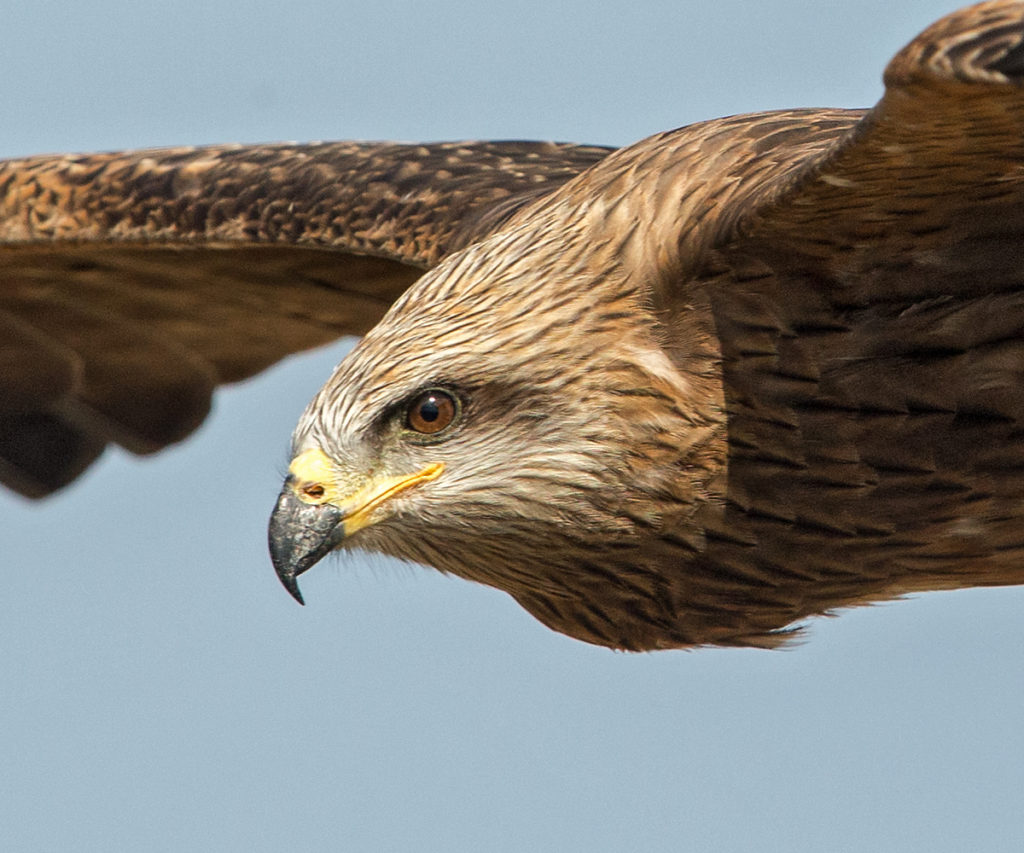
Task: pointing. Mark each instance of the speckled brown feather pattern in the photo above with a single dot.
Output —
(133, 284)
(872, 339)
(726, 378)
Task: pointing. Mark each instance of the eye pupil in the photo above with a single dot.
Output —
(431, 412)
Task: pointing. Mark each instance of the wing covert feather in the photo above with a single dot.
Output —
(870, 306)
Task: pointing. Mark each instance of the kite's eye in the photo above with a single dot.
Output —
(431, 412)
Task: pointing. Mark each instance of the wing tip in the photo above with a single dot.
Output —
(40, 453)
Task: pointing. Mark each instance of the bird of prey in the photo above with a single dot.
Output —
(686, 392)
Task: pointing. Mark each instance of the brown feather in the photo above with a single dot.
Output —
(138, 282)
(729, 377)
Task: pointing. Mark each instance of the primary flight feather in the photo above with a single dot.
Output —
(686, 392)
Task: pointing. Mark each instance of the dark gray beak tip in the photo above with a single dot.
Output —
(291, 583)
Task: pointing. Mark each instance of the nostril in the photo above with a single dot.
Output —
(313, 491)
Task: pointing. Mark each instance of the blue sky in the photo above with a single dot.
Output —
(160, 691)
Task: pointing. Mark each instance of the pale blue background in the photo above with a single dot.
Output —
(159, 691)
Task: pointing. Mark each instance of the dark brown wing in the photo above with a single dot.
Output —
(132, 284)
(869, 299)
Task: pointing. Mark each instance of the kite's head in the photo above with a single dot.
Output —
(515, 413)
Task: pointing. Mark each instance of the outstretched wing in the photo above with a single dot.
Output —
(869, 299)
(132, 284)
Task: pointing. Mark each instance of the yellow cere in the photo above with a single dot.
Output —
(315, 482)
(314, 477)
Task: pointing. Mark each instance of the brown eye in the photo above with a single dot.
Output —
(431, 412)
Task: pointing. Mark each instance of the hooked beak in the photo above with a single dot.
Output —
(313, 515)
(300, 534)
